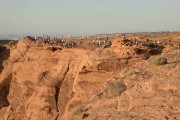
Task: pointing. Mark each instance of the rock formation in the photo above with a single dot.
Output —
(40, 82)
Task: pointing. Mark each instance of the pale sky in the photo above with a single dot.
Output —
(88, 16)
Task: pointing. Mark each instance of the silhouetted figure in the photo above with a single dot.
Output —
(124, 36)
(94, 42)
(131, 41)
(178, 45)
(147, 40)
(135, 40)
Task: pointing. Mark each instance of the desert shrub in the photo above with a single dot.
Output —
(76, 110)
(158, 60)
(130, 72)
(115, 89)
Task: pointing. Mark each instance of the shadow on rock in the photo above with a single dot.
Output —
(4, 54)
(4, 91)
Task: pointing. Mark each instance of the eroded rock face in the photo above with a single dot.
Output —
(38, 83)
(4, 54)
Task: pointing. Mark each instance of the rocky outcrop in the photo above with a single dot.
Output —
(39, 82)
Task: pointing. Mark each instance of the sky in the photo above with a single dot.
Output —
(88, 16)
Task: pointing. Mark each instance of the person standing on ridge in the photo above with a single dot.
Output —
(147, 40)
(131, 41)
(135, 40)
(93, 42)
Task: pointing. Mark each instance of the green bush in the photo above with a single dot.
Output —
(158, 60)
(115, 89)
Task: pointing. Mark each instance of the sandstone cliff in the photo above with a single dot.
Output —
(38, 82)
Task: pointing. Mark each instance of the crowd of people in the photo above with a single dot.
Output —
(130, 41)
(103, 42)
(54, 41)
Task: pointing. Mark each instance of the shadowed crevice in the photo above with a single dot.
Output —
(4, 55)
(4, 91)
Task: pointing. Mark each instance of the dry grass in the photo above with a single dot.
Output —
(130, 72)
(76, 110)
(158, 60)
(115, 89)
